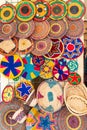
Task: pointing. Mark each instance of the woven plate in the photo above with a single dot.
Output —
(7, 94)
(75, 28)
(42, 47)
(46, 69)
(66, 121)
(58, 28)
(23, 89)
(49, 96)
(30, 71)
(43, 11)
(25, 10)
(41, 30)
(73, 47)
(73, 65)
(74, 78)
(76, 9)
(7, 13)
(8, 31)
(24, 29)
(39, 120)
(38, 60)
(25, 46)
(58, 9)
(11, 66)
(60, 72)
(56, 50)
(8, 47)
(6, 112)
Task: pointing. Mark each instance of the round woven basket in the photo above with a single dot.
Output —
(77, 94)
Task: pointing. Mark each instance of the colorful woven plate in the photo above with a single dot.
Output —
(30, 71)
(74, 78)
(50, 96)
(60, 72)
(66, 121)
(6, 112)
(73, 47)
(7, 94)
(25, 29)
(72, 65)
(43, 11)
(25, 10)
(39, 120)
(38, 60)
(58, 9)
(7, 13)
(61, 61)
(58, 28)
(8, 47)
(76, 9)
(23, 89)
(42, 47)
(56, 50)
(8, 31)
(75, 28)
(25, 46)
(46, 69)
(41, 30)
(11, 66)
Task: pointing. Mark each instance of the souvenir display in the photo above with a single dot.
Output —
(41, 65)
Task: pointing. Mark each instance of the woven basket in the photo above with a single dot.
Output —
(78, 95)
